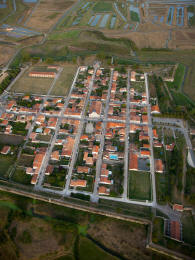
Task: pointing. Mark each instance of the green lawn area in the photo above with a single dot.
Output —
(179, 76)
(26, 84)
(103, 7)
(161, 187)
(139, 186)
(57, 178)
(158, 230)
(182, 100)
(74, 34)
(134, 16)
(88, 250)
(65, 80)
(20, 176)
(5, 162)
(188, 222)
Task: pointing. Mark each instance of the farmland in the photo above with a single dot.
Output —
(139, 186)
(48, 14)
(30, 85)
(64, 82)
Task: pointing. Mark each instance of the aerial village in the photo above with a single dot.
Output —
(99, 140)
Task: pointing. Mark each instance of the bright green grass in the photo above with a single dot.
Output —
(134, 16)
(21, 177)
(88, 250)
(182, 100)
(179, 76)
(64, 35)
(103, 7)
(139, 186)
(82, 230)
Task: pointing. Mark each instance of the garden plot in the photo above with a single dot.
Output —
(134, 13)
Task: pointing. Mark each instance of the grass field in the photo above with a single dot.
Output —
(73, 34)
(188, 228)
(5, 163)
(21, 177)
(88, 249)
(179, 76)
(26, 84)
(103, 7)
(140, 186)
(26, 160)
(64, 82)
(186, 57)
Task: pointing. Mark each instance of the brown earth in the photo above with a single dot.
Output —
(6, 53)
(48, 13)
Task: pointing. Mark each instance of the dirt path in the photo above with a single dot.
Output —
(183, 176)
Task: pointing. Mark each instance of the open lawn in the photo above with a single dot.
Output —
(21, 177)
(5, 162)
(103, 7)
(65, 80)
(73, 34)
(87, 249)
(139, 186)
(26, 84)
(186, 57)
(188, 222)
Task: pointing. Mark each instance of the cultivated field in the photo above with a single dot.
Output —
(139, 186)
(26, 84)
(65, 80)
(48, 13)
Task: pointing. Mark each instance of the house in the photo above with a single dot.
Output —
(55, 156)
(155, 135)
(95, 109)
(102, 190)
(133, 162)
(39, 74)
(78, 183)
(173, 229)
(95, 150)
(133, 76)
(38, 160)
(29, 171)
(145, 119)
(5, 150)
(159, 167)
(49, 169)
(170, 147)
(105, 180)
(155, 109)
(178, 207)
(158, 144)
(145, 153)
(34, 179)
(83, 169)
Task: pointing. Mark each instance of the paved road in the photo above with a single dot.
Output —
(150, 133)
(102, 140)
(66, 190)
(50, 148)
(127, 130)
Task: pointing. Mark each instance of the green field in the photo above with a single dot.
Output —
(139, 186)
(88, 250)
(21, 177)
(134, 16)
(5, 162)
(65, 80)
(26, 84)
(74, 34)
(103, 7)
(179, 77)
